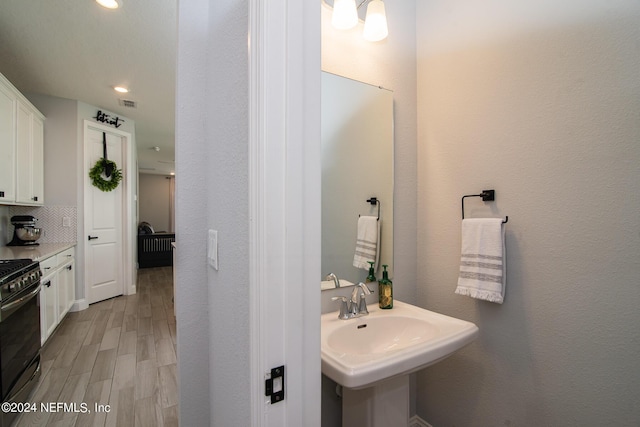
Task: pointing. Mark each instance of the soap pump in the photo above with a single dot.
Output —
(385, 290)
(372, 276)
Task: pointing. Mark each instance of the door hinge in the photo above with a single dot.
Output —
(274, 384)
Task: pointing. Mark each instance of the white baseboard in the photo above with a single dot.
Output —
(79, 305)
(416, 421)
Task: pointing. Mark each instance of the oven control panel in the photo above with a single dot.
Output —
(17, 276)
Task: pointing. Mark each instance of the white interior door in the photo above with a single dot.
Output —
(104, 218)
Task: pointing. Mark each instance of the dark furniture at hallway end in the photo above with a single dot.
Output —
(154, 249)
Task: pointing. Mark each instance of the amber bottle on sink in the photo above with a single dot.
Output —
(385, 290)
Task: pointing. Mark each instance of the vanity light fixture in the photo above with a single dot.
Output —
(375, 25)
(345, 17)
(110, 4)
(345, 14)
(121, 89)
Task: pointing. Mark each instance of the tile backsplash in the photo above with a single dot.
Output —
(52, 220)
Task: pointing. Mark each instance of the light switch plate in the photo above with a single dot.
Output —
(212, 249)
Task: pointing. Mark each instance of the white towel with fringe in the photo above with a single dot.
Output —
(483, 259)
(367, 238)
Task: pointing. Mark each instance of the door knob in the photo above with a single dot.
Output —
(93, 237)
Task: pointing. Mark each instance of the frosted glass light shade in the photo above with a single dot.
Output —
(375, 25)
(345, 14)
(110, 4)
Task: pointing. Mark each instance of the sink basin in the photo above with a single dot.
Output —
(358, 353)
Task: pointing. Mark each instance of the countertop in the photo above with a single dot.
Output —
(36, 253)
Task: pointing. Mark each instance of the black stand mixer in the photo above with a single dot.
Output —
(25, 232)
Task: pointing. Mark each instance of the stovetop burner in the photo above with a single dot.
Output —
(12, 268)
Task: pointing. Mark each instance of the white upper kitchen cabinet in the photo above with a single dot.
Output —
(7, 144)
(30, 156)
(21, 148)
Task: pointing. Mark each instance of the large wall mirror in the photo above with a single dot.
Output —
(357, 164)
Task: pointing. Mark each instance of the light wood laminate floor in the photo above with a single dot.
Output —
(120, 352)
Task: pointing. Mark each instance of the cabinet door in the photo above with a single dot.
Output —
(23, 154)
(48, 307)
(37, 160)
(30, 156)
(71, 285)
(7, 145)
(66, 289)
(61, 290)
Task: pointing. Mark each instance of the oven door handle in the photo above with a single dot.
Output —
(21, 300)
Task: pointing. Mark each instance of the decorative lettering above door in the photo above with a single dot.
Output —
(108, 119)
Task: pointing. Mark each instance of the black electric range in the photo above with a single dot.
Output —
(19, 331)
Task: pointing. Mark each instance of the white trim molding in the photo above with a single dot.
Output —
(284, 205)
(416, 421)
(79, 305)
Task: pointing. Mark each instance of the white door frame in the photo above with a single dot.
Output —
(284, 199)
(128, 208)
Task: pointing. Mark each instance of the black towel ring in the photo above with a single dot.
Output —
(374, 201)
(487, 196)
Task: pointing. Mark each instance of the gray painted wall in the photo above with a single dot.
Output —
(192, 294)
(212, 193)
(60, 149)
(228, 212)
(541, 101)
(154, 201)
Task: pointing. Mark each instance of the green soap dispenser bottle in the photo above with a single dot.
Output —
(372, 275)
(385, 290)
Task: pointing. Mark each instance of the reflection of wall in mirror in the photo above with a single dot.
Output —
(357, 163)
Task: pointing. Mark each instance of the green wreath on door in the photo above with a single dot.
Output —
(98, 175)
(105, 174)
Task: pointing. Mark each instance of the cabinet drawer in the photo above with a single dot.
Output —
(48, 265)
(66, 256)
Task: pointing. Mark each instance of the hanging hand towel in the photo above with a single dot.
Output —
(367, 248)
(483, 259)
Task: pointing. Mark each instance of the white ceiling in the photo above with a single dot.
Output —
(78, 50)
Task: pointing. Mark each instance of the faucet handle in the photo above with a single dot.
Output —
(358, 290)
(344, 310)
(362, 305)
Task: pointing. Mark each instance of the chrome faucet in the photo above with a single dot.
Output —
(333, 277)
(356, 306)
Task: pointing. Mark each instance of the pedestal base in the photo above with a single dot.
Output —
(386, 404)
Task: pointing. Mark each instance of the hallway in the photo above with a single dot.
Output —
(119, 352)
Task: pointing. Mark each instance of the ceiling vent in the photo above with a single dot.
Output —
(128, 103)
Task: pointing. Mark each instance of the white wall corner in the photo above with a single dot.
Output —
(79, 305)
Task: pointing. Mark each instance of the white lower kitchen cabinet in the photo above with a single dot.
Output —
(57, 294)
(66, 288)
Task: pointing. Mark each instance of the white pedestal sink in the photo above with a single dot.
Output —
(372, 357)
(384, 404)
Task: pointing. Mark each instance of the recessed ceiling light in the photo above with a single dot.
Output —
(110, 4)
(121, 89)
